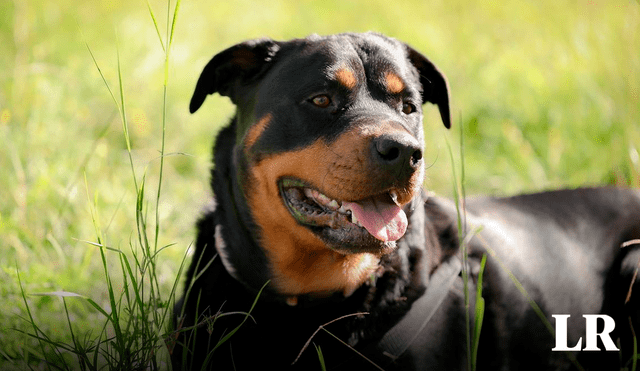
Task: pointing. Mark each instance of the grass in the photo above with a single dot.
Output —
(133, 334)
(547, 93)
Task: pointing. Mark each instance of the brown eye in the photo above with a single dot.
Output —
(321, 101)
(408, 108)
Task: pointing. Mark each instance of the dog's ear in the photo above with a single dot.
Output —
(435, 88)
(232, 67)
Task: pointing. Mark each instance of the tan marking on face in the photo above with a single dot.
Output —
(394, 83)
(346, 77)
(256, 130)
(300, 261)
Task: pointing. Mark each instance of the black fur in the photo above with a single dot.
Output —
(563, 246)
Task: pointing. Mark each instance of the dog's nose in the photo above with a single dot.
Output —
(399, 153)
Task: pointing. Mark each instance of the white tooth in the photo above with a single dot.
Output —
(394, 197)
(333, 205)
(322, 198)
(355, 220)
(308, 192)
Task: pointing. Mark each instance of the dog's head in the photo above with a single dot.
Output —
(329, 148)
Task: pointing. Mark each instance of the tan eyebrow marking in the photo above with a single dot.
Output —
(394, 83)
(346, 77)
(252, 135)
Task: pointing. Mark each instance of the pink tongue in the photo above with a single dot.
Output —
(384, 221)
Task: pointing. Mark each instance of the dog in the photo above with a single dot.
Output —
(323, 247)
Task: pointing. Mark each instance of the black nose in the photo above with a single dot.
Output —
(399, 154)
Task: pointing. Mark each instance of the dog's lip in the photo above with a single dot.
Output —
(309, 206)
(382, 213)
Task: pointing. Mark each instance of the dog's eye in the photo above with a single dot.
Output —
(408, 108)
(321, 101)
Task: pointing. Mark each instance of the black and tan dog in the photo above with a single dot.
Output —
(318, 195)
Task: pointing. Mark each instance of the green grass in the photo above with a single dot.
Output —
(548, 94)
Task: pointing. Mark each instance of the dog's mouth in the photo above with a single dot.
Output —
(350, 223)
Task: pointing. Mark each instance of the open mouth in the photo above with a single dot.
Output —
(347, 222)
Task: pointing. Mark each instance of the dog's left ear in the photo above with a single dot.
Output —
(435, 88)
(234, 67)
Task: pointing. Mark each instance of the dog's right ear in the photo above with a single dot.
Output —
(231, 67)
(435, 88)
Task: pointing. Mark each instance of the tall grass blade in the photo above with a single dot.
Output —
(36, 330)
(320, 357)
(123, 115)
(634, 356)
(248, 314)
(536, 308)
(479, 315)
(167, 50)
(155, 24)
(459, 199)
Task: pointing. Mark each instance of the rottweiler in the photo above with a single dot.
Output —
(322, 247)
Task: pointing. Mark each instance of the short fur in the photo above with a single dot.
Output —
(342, 115)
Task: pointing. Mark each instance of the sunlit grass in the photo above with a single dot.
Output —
(548, 93)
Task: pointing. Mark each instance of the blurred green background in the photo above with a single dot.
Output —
(547, 93)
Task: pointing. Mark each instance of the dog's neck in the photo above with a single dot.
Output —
(234, 221)
(249, 264)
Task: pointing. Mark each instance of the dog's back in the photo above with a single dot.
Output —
(320, 222)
